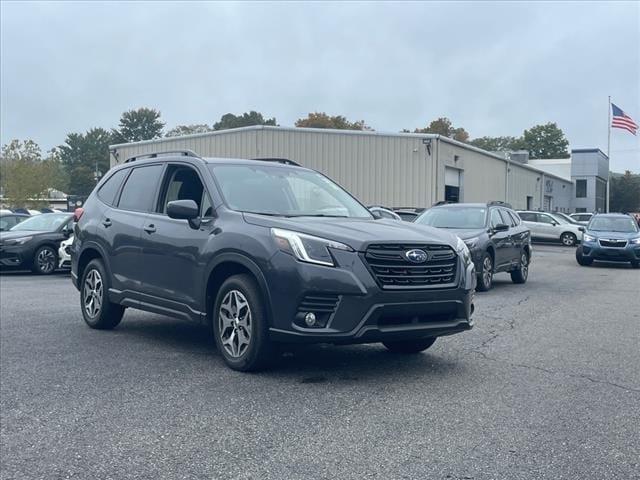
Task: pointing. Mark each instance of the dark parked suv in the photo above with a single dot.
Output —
(494, 233)
(264, 252)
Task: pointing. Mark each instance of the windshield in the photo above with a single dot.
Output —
(560, 219)
(47, 222)
(612, 224)
(563, 216)
(454, 217)
(282, 191)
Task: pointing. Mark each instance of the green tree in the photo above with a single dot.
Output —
(546, 141)
(181, 130)
(624, 191)
(443, 126)
(82, 155)
(23, 175)
(229, 120)
(499, 144)
(137, 125)
(322, 120)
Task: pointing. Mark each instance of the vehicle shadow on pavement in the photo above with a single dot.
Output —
(315, 363)
(29, 273)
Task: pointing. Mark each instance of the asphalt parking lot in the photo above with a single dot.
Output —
(546, 385)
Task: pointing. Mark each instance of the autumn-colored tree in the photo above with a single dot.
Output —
(322, 120)
(443, 126)
(181, 130)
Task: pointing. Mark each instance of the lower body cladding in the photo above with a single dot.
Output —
(15, 257)
(345, 304)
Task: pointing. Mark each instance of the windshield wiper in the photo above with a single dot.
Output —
(318, 215)
(270, 214)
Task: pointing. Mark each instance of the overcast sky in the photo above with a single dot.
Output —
(492, 68)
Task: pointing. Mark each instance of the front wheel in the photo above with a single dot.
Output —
(240, 325)
(581, 259)
(45, 260)
(410, 346)
(568, 239)
(485, 276)
(521, 274)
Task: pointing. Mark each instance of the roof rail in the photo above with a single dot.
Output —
(284, 161)
(183, 153)
(499, 202)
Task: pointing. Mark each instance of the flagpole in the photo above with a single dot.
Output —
(608, 150)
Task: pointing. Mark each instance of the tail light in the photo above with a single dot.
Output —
(77, 213)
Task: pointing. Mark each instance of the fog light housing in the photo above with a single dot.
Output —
(310, 319)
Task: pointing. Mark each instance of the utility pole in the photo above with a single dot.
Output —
(608, 151)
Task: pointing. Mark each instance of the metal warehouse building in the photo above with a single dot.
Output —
(396, 170)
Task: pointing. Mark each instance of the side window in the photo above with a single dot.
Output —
(7, 222)
(139, 190)
(496, 218)
(515, 217)
(527, 217)
(109, 189)
(542, 218)
(509, 220)
(183, 183)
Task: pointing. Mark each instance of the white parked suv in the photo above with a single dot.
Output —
(545, 226)
(64, 253)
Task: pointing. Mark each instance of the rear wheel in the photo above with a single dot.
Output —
(240, 325)
(568, 239)
(45, 260)
(581, 259)
(410, 346)
(485, 276)
(98, 312)
(521, 274)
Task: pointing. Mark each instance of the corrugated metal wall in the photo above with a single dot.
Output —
(388, 169)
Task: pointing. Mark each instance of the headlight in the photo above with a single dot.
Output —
(307, 248)
(463, 251)
(17, 241)
(635, 241)
(588, 238)
(471, 242)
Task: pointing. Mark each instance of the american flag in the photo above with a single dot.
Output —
(620, 119)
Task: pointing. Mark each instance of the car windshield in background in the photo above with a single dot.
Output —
(609, 224)
(454, 217)
(47, 222)
(282, 191)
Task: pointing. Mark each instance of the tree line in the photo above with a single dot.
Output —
(76, 165)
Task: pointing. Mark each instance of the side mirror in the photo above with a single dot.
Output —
(501, 227)
(185, 210)
(582, 229)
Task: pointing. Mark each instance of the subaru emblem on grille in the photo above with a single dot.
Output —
(417, 256)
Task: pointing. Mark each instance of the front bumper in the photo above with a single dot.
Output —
(631, 252)
(355, 309)
(15, 256)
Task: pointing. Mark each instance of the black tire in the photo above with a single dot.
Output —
(485, 277)
(521, 274)
(98, 312)
(568, 239)
(45, 260)
(581, 259)
(635, 263)
(242, 332)
(410, 346)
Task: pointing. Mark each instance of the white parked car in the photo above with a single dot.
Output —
(582, 218)
(545, 226)
(64, 253)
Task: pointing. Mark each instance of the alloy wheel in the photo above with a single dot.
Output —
(487, 271)
(92, 293)
(234, 322)
(567, 240)
(524, 265)
(46, 260)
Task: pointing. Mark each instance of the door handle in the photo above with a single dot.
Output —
(106, 222)
(150, 228)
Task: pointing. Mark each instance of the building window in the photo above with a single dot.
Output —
(581, 188)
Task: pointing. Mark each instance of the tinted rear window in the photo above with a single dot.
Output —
(139, 191)
(108, 190)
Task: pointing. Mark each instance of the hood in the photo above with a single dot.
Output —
(465, 233)
(357, 233)
(24, 233)
(613, 235)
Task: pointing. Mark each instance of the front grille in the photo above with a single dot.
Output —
(319, 303)
(613, 243)
(392, 269)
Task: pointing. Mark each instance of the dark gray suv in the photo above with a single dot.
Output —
(264, 252)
